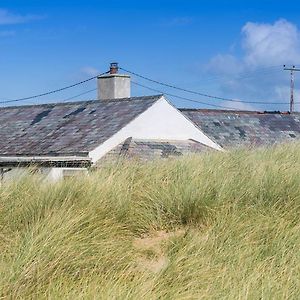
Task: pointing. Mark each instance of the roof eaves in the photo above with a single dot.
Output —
(44, 161)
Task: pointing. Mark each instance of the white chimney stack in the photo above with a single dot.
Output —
(113, 85)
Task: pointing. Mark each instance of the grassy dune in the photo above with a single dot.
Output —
(215, 226)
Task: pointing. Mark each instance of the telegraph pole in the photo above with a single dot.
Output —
(292, 69)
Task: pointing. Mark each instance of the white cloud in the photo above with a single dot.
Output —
(237, 105)
(283, 92)
(226, 64)
(267, 44)
(9, 18)
(262, 45)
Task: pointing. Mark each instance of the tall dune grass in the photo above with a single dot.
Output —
(235, 219)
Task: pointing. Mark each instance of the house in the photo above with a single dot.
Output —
(62, 138)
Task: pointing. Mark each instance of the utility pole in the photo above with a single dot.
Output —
(292, 69)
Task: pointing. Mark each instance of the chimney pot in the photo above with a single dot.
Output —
(114, 68)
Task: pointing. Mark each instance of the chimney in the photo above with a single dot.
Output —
(113, 85)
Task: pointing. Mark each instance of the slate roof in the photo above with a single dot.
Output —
(73, 128)
(149, 149)
(243, 128)
(152, 149)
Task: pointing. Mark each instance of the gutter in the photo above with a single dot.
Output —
(45, 161)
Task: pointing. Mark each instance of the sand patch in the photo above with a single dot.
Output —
(151, 249)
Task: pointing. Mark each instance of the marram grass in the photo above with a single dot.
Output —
(212, 226)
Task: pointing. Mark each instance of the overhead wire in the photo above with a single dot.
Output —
(154, 81)
(53, 91)
(182, 98)
(199, 93)
(84, 93)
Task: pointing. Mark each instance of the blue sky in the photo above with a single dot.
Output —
(231, 49)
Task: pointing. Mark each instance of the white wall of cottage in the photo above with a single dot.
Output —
(161, 121)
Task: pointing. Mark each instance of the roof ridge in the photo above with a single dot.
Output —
(221, 110)
(235, 111)
(136, 98)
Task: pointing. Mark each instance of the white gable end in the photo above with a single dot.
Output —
(160, 121)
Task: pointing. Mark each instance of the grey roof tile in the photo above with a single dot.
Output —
(151, 149)
(73, 128)
(241, 128)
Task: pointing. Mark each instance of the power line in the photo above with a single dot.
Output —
(200, 94)
(182, 98)
(151, 80)
(54, 91)
(84, 93)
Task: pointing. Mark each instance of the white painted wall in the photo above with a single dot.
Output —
(15, 173)
(160, 121)
(19, 172)
(51, 174)
(56, 174)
